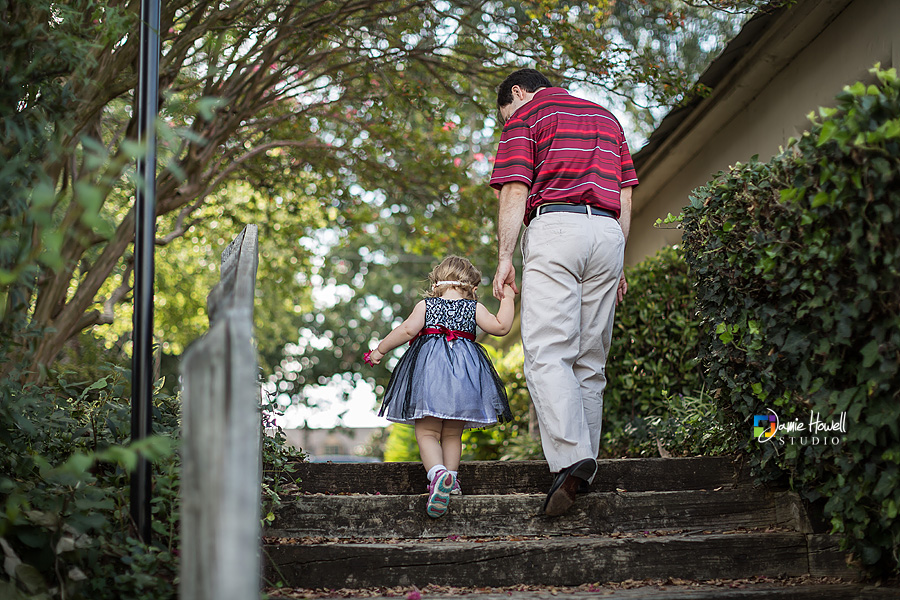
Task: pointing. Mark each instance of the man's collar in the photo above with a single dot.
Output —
(549, 91)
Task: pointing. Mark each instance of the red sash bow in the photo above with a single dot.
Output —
(451, 334)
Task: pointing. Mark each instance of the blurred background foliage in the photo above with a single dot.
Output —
(360, 149)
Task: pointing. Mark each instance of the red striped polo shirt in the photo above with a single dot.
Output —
(566, 149)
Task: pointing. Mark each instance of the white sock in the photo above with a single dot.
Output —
(434, 471)
(455, 474)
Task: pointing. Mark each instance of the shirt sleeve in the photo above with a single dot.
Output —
(629, 175)
(515, 155)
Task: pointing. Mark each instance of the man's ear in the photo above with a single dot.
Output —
(518, 92)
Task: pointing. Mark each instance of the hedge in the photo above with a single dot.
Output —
(797, 268)
(652, 360)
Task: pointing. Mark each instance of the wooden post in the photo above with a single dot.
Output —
(220, 476)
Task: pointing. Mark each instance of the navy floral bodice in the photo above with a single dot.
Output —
(458, 315)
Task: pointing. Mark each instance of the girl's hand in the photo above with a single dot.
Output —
(509, 290)
(373, 357)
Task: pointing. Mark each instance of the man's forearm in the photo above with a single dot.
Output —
(513, 197)
(625, 211)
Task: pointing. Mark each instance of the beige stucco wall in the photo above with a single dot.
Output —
(799, 64)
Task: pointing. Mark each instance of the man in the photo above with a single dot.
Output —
(564, 169)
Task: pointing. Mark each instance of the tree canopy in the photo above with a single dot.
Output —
(360, 129)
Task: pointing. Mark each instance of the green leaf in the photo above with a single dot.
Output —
(133, 149)
(207, 106)
(34, 537)
(870, 353)
(7, 277)
(857, 89)
(827, 133)
(31, 578)
(890, 508)
(126, 457)
(78, 463)
(42, 196)
(820, 199)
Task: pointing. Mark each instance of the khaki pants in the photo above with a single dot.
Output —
(572, 265)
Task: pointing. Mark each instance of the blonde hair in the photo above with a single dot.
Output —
(451, 270)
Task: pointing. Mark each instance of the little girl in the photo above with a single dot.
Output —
(445, 382)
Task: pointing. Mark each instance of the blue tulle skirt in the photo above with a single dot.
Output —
(446, 379)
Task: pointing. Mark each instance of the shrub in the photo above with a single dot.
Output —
(65, 526)
(652, 358)
(797, 263)
(511, 439)
(401, 444)
(65, 462)
(688, 425)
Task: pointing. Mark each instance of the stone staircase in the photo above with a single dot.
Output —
(363, 525)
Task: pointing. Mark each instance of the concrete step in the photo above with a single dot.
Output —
(358, 516)
(565, 561)
(520, 477)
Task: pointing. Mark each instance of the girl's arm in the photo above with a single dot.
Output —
(401, 334)
(501, 324)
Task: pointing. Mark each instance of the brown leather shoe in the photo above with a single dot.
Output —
(562, 493)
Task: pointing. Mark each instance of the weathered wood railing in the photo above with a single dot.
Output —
(220, 477)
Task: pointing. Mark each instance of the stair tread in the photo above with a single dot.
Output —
(531, 476)
(403, 516)
(454, 541)
(569, 560)
(740, 589)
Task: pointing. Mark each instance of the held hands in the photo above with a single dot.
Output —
(504, 278)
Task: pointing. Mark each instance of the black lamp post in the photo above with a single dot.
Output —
(144, 239)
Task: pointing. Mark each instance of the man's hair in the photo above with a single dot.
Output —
(528, 79)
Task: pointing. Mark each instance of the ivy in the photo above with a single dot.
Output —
(797, 265)
(65, 463)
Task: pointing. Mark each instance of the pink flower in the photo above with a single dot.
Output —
(448, 126)
(414, 595)
(479, 156)
(457, 162)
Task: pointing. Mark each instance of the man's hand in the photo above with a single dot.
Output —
(513, 197)
(622, 289)
(505, 275)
